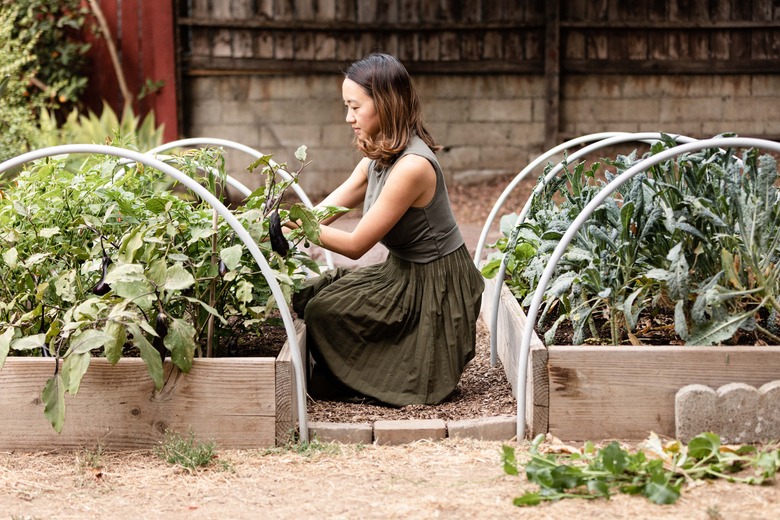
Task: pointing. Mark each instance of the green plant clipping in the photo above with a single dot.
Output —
(686, 252)
(656, 470)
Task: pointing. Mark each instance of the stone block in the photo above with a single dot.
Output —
(737, 412)
(695, 411)
(501, 428)
(406, 431)
(344, 433)
(737, 408)
(768, 414)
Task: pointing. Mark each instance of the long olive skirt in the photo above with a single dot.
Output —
(398, 332)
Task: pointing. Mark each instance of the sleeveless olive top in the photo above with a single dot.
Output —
(422, 234)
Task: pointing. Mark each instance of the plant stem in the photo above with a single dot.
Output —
(212, 287)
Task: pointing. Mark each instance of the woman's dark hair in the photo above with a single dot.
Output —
(387, 82)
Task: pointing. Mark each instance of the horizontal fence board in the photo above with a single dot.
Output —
(673, 36)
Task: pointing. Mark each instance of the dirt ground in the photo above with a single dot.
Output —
(448, 479)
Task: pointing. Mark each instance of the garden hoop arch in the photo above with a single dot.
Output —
(232, 181)
(523, 174)
(587, 211)
(230, 219)
(618, 138)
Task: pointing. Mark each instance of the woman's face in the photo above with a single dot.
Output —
(362, 115)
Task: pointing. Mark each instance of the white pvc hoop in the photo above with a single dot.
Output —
(618, 138)
(523, 174)
(587, 211)
(216, 141)
(231, 220)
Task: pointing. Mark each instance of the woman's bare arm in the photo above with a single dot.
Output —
(412, 182)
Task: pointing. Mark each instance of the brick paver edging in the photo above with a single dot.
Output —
(499, 428)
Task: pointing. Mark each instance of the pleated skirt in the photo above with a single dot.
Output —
(398, 332)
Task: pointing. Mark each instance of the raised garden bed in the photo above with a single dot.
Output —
(625, 392)
(236, 402)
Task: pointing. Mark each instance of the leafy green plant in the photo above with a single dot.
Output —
(187, 452)
(43, 58)
(656, 470)
(129, 131)
(100, 260)
(689, 247)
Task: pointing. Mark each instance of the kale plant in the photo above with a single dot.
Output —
(687, 250)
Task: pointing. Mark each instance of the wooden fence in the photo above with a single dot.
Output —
(550, 38)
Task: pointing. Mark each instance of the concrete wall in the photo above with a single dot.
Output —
(489, 124)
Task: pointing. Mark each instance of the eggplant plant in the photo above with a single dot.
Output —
(103, 261)
(685, 253)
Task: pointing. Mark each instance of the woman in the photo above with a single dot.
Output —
(399, 332)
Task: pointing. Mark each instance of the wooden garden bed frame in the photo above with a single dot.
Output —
(626, 392)
(235, 402)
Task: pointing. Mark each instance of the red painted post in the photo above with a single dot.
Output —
(146, 46)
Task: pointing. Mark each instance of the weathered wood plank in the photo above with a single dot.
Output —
(287, 404)
(627, 392)
(511, 323)
(232, 401)
(672, 66)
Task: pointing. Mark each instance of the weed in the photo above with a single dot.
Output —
(187, 452)
(91, 459)
(305, 448)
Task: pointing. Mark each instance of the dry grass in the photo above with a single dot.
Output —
(448, 479)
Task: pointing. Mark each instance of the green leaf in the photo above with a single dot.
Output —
(662, 493)
(308, 221)
(49, 232)
(208, 308)
(149, 354)
(74, 366)
(614, 458)
(508, 460)
(87, 341)
(200, 234)
(232, 256)
(244, 291)
(124, 272)
(717, 332)
(5, 344)
(180, 340)
(11, 258)
(29, 342)
(527, 499)
(117, 337)
(704, 446)
(131, 244)
(53, 397)
(156, 271)
(177, 278)
(300, 153)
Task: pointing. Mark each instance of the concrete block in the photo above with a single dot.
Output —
(695, 411)
(768, 414)
(737, 412)
(345, 433)
(737, 407)
(501, 428)
(404, 432)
